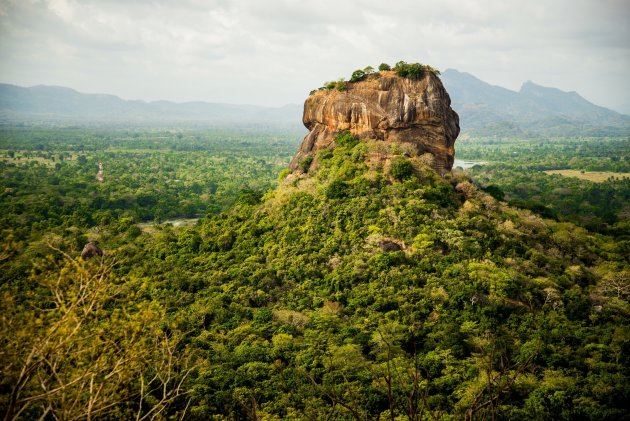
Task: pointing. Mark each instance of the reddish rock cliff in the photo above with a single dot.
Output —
(386, 107)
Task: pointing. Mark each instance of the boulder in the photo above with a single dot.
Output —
(384, 107)
(91, 249)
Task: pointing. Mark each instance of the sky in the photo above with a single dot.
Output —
(273, 52)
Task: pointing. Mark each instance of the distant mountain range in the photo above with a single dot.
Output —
(59, 104)
(484, 110)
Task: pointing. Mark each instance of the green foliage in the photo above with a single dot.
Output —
(339, 85)
(400, 168)
(413, 71)
(494, 191)
(337, 189)
(79, 349)
(154, 176)
(249, 197)
(358, 75)
(403, 69)
(346, 139)
(515, 174)
(409, 70)
(433, 70)
(283, 174)
(305, 163)
(291, 304)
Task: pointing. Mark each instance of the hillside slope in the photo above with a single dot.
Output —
(366, 287)
(359, 292)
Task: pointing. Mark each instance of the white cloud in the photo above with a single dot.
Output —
(274, 52)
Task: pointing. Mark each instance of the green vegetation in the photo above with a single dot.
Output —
(357, 76)
(413, 71)
(516, 170)
(305, 164)
(401, 168)
(367, 289)
(48, 177)
(339, 85)
(346, 139)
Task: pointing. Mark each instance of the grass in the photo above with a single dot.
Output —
(594, 176)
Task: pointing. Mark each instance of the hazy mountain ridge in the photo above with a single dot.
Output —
(484, 109)
(55, 103)
(533, 110)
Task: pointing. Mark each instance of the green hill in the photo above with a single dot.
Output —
(354, 294)
(361, 289)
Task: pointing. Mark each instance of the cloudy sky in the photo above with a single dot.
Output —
(273, 52)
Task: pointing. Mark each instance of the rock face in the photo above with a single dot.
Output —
(385, 107)
(91, 249)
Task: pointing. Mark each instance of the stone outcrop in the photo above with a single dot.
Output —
(385, 107)
(91, 249)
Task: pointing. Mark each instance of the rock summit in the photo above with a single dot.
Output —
(385, 107)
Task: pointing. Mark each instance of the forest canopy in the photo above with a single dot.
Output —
(363, 289)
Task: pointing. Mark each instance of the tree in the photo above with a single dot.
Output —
(409, 70)
(342, 85)
(337, 189)
(616, 284)
(384, 66)
(358, 75)
(73, 356)
(346, 139)
(400, 168)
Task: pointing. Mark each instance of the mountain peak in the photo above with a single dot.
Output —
(487, 109)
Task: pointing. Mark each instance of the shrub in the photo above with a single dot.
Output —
(432, 70)
(346, 139)
(400, 65)
(337, 189)
(341, 85)
(400, 168)
(368, 70)
(324, 154)
(409, 70)
(384, 66)
(305, 163)
(249, 197)
(283, 174)
(413, 70)
(262, 316)
(357, 75)
(494, 191)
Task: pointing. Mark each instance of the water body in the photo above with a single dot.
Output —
(182, 222)
(467, 164)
